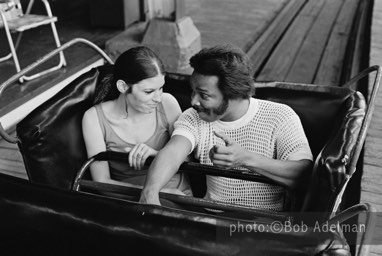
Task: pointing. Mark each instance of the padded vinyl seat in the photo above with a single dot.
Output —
(332, 119)
(52, 145)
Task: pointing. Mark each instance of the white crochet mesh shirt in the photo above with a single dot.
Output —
(271, 129)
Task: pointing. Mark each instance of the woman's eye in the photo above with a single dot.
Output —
(151, 91)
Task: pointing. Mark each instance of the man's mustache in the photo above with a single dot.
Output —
(199, 108)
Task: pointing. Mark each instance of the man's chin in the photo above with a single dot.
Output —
(207, 118)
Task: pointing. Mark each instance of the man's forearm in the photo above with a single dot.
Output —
(161, 171)
(286, 172)
(164, 166)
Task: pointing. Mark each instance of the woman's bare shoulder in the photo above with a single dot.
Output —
(169, 101)
(91, 112)
(90, 115)
(171, 106)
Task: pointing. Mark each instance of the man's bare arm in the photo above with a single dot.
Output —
(164, 166)
(290, 173)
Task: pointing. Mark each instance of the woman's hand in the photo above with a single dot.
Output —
(138, 155)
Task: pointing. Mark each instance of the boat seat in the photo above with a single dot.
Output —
(13, 20)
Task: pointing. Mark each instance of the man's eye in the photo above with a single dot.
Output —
(204, 96)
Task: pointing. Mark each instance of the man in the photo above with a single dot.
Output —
(228, 128)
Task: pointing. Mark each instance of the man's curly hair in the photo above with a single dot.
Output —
(230, 65)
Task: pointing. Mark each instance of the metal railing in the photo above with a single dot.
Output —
(37, 63)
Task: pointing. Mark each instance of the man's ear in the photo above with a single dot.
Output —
(122, 86)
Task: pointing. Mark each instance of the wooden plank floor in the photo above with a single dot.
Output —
(305, 53)
(11, 162)
(330, 68)
(371, 186)
(239, 23)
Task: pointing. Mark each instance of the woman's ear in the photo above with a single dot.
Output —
(122, 86)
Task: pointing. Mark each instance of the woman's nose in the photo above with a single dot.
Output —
(157, 96)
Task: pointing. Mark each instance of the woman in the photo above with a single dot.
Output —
(135, 116)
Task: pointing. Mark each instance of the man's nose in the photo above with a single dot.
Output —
(194, 100)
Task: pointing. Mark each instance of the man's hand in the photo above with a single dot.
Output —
(229, 156)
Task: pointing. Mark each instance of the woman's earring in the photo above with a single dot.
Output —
(126, 109)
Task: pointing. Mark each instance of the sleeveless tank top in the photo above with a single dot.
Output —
(122, 171)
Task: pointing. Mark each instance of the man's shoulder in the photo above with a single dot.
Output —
(275, 107)
(272, 103)
(190, 113)
(190, 117)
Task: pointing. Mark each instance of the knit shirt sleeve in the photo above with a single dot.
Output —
(187, 126)
(291, 141)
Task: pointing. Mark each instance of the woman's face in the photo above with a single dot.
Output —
(146, 94)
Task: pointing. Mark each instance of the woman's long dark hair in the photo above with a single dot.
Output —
(132, 66)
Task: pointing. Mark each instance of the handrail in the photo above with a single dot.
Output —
(364, 126)
(38, 62)
(189, 167)
(370, 105)
(370, 221)
(191, 201)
